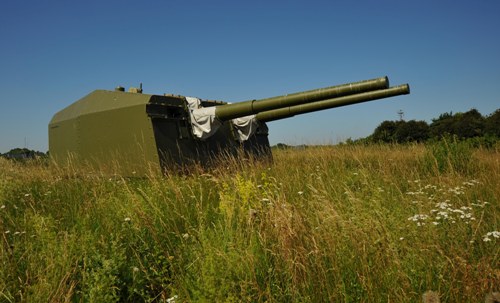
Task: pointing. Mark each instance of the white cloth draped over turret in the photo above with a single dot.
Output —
(205, 123)
(203, 120)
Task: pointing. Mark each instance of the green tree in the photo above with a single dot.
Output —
(442, 125)
(401, 131)
(386, 131)
(463, 125)
(469, 125)
(492, 124)
(412, 131)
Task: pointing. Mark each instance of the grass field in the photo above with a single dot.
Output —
(322, 224)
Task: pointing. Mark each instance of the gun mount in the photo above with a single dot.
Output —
(132, 133)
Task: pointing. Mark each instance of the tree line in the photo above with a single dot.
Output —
(466, 125)
(23, 153)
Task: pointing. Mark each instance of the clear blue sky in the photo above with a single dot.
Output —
(54, 52)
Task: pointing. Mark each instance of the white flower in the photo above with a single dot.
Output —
(127, 219)
(300, 192)
(495, 234)
(418, 217)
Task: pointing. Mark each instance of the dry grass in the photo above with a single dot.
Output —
(336, 224)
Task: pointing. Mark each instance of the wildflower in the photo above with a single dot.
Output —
(127, 219)
(172, 299)
(185, 236)
(300, 192)
(418, 217)
(495, 234)
(27, 195)
(401, 239)
(443, 205)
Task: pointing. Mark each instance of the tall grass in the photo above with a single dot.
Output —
(324, 224)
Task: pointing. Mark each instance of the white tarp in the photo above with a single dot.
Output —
(205, 124)
(245, 127)
(203, 119)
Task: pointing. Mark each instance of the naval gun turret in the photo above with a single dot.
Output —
(132, 133)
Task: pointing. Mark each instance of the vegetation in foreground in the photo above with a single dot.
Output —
(326, 224)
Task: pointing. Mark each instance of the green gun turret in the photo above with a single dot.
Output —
(132, 133)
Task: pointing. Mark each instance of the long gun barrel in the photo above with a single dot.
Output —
(241, 109)
(290, 111)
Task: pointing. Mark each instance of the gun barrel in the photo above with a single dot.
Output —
(241, 109)
(276, 114)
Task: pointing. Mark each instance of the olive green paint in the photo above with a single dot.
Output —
(130, 133)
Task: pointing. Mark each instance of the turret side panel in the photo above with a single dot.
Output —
(108, 130)
(120, 140)
(63, 140)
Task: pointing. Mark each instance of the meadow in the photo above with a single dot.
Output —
(378, 223)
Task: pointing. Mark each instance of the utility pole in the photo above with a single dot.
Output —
(401, 115)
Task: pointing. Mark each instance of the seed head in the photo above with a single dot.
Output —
(430, 297)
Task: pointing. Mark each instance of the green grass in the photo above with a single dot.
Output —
(324, 224)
